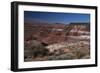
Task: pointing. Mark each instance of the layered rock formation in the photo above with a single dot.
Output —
(49, 35)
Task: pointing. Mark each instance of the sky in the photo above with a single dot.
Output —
(55, 17)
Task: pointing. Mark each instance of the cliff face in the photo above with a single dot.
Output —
(43, 41)
(55, 33)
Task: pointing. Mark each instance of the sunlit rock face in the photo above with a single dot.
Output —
(54, 33)
(61, 41)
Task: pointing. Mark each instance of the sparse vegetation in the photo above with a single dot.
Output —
(47, 43)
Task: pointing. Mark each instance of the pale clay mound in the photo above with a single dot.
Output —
(66, 51)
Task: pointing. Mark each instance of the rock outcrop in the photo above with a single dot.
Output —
(56, 41)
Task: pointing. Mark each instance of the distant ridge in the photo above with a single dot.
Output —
(40, 22)
(80, 23)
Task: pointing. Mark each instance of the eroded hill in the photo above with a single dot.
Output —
(56, 41)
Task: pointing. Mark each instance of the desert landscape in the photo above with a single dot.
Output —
(56, 41)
